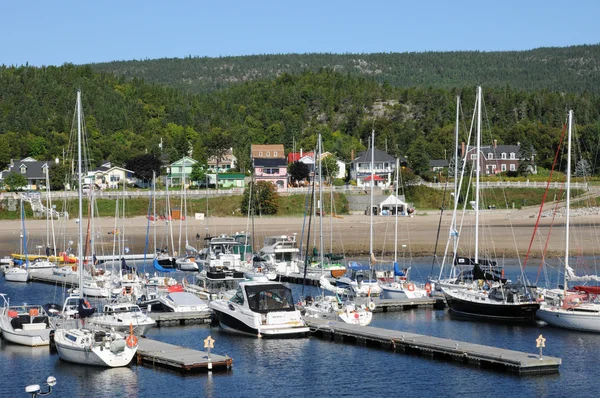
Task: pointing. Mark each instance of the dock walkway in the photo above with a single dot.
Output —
(183, 359)
(181, 318)
(484, 356)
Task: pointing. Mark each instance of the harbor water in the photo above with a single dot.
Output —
(312, 367)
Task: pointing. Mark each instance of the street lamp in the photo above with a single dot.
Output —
(35, 389)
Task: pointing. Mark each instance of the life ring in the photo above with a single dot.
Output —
(428, 288)
(411, 287)
(131, 341)
(74, 268)
(372, 306)
(356, 316)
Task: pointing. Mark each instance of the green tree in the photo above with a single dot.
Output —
(198, 173)
(265, 199)
(298, 171)
(216, 143)
(144, 166)
(329, 168)
(58, 176)
(15, 181)
(417, 156)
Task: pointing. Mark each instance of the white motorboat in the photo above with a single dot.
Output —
(187, 263)
(263, 309)
(215, 283)
(16, 274)
(183, 302)
(280, 253)
(25, 324)
(220, 251)
(120, 316)
(332, 308)
(96, 348)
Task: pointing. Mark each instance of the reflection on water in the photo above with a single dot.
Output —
(96, 381)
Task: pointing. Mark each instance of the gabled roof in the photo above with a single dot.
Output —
(188, 162)
(392, 200)
(260, 151)
(296, 156)
(277, 162)
(380, 156)
(33, 169)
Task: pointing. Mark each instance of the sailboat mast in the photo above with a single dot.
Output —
(320, 203)
(154, 207)
(80, 195)
(372, 188)
(396, 207)
(568, 201)
(477, 171)
(456, 159)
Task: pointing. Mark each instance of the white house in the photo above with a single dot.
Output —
(383, 164)
(109, 176)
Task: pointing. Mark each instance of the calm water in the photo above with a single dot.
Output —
(313, 367)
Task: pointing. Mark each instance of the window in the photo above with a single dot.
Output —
(473, 156)
(503, 155)
(115, 178)
(23, 169)
(503, 167)
(260, 154)
(512, 155)
(490, 155)
(512, 167)
(275, 153)
(238, 298)
(268, 154)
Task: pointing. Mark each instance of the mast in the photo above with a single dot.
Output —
(50, 211)
(371, 255)
(154, 208)
(477, 170)
(80, 195)
(396, 207)
(568, 202)
(320, 203)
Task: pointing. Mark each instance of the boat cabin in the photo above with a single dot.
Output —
(264, 297)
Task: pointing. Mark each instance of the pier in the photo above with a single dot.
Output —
(485, 357)
(180, 318)
(178, 358)
(46, 276)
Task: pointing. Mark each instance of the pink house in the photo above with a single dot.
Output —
(270, 164)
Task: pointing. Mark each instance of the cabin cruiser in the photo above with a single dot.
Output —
(182, 302)
(25, 324)
(263, 309)
(280, 253)
(215, 283)
(120, 316)
(361, 279)
(220, 251)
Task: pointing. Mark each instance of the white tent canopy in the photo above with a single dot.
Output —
(392, 204)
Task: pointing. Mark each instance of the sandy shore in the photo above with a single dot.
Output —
(504, 232)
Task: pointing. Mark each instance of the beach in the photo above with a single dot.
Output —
(503, 233)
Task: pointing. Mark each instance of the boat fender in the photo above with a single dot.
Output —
(372, 306)
(86, 304)
(411, 287)
(428, 288)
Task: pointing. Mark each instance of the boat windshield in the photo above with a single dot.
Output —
(269, 298)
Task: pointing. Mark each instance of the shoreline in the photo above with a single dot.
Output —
(503, 233)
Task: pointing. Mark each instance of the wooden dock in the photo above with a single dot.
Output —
(182, 359)
(391, 305)
(483, 356)
(181, 318)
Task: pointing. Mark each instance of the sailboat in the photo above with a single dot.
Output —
(186, 262)
(86, 346)
(20, 273)
(359, 277)
(579, 310)
(502, 302)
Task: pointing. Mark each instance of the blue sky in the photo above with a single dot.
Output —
(55, 32)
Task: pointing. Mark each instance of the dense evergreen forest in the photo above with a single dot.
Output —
(128, 117)
(567, 69)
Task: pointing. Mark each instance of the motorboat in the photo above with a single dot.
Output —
(182, 302)
(361, 279)
(215, 283)
(263, 309)
(25, 324)
(120, 316)
(280, 253)
(95, 348)
(187, 263)
(16, 274)
(220, 251)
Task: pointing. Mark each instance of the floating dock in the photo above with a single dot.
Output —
(391, 305)
(48, 277)
(181, 318)
(483, 356)
(182, 359)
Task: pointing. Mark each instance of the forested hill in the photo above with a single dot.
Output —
(567, 69)
(128, 117)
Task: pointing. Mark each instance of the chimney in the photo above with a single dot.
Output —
(462, 149)
(352, 154)
(300, 152)
(495, 143)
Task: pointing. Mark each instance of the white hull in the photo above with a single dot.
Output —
(92, 356)
(398, 292)
(32, 338)
(570, 319)
(139, 329)
(16, 275)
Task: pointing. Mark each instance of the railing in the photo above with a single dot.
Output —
(510, 184)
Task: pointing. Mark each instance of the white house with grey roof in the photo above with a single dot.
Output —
(383, 168)
(33, 170)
